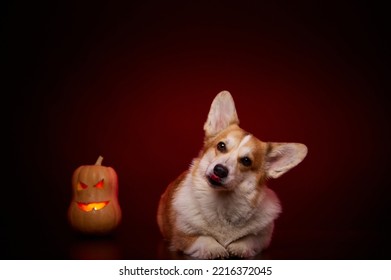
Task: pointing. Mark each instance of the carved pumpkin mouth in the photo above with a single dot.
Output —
(93, 206)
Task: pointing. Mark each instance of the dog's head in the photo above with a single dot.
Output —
(232, 157)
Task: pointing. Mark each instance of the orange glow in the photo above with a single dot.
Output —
(99, 185)
(81, 186)
(87, 207)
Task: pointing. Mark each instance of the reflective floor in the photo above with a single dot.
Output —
(132, 245)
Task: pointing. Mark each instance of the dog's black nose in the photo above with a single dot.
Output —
(220, 171)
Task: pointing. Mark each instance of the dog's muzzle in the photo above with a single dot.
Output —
(219, 173)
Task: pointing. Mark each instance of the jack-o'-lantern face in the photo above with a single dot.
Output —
(91, 206)
(94, 206)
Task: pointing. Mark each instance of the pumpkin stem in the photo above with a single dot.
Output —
(99, 160)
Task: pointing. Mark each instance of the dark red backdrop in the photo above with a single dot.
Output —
(134, 83)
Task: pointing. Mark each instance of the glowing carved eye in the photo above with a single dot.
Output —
(99, 185)
(246, 161)
(81, 186)
(221, 147)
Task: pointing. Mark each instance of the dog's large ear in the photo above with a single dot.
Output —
(222, 114)
(281, 157)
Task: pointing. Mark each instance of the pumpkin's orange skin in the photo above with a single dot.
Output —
(100, 221)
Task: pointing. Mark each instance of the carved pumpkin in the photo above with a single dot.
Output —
(94, 207)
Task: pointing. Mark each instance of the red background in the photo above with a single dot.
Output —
(134, 83)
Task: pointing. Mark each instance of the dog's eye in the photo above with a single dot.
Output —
(246, 161)
(221, 147)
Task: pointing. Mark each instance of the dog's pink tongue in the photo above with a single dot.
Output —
(214, 177)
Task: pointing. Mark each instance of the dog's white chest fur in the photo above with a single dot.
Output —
(227, 217)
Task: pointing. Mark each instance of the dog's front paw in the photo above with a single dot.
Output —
(206, 247)
(246, 247)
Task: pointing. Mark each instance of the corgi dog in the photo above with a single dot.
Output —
(221, 207)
